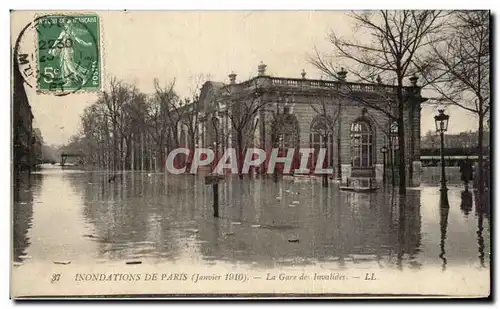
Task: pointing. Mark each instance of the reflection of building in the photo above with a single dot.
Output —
(285, 113)
(363, 227)
(22, 122)
(22, 215)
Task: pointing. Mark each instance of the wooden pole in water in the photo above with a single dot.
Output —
(215, 187)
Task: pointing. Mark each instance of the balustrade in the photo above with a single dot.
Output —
(323, 84)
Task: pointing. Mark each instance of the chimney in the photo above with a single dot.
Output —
(232, 78)
(262, 69)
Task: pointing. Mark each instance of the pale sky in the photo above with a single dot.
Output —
(139, 46)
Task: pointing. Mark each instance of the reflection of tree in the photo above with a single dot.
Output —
(409, 228)
(330, 226)
(482, 203)
(139, 215)
(22, 213)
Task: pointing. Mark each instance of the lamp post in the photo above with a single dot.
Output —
(441, 120)
(383, 150)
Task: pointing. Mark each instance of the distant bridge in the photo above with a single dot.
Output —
(65, 156)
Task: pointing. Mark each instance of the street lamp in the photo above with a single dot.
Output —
(383, 150)
(441, 120)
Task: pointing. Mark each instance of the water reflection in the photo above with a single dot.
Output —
(482, 212)
(22, 216)
(158, 218)
(24, 188)
(466, 202)
(134, 217)
(443, 225)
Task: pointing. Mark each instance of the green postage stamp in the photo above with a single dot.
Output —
(68, 54)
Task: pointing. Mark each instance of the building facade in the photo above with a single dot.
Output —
(346, 118)
(22, 120)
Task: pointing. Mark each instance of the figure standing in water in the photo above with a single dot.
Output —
(466, 172)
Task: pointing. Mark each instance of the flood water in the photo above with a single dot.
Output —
(81, 217)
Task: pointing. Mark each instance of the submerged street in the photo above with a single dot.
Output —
(78, 216)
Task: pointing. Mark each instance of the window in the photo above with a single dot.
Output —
(361, 144)
(394, 143)
(286, 140)
(285, 131)
(320, 134)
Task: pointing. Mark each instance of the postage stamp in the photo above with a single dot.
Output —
(68, 53)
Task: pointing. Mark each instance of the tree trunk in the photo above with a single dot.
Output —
(142, 151)
(123, 151)
(132, 149)
(391, 157)
(411, 146)
(401, 142)
(325, 176)
(339, 162)
(150, 152)
(480, 135)
(160, 154)
(115, 149)
(239, 138)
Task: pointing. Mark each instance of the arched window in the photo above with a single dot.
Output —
(394, 143)
(285, 131)
(322, 134)
(361, 144)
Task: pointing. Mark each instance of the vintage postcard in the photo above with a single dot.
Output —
(325, 154)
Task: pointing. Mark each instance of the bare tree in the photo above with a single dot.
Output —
(461, 71)
(325, 124)
(114, 101)
(192, 109)
(390, 131)
(243, 106)
(165, 117)
(388, 44)
(135, 116)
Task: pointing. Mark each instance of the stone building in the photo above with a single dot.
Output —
(22, 121)
(289, 113)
